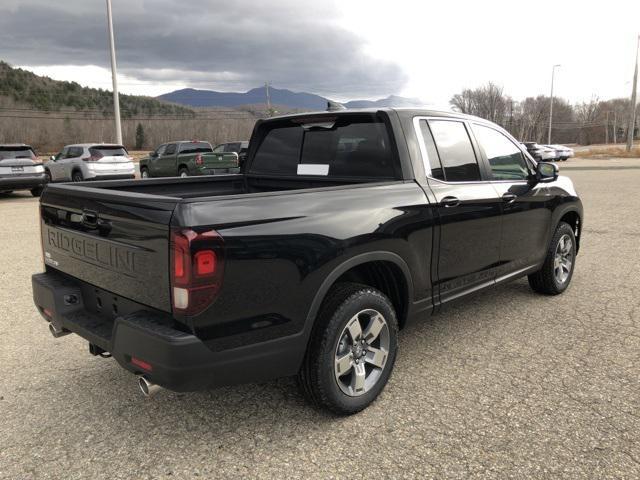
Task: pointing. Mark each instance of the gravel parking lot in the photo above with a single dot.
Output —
(505, 384)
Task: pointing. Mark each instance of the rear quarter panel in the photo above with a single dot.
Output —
(280, 248)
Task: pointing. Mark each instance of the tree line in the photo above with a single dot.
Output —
(586, 123)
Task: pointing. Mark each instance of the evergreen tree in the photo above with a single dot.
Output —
(140, 140)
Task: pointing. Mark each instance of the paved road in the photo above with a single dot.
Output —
(507, 384)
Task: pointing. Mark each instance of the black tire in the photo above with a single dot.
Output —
(317, 379)
(36, 192)
(545, 280)
(47, 176)
(183, 172)
(77, 176)
(144, 173)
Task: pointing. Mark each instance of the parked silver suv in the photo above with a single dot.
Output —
(90, 161)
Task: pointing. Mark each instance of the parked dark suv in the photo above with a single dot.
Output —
(20, 169)
(238, 147)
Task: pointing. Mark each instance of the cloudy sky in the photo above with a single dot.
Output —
(342, 49)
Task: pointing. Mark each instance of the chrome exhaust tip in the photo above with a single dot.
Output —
(57, 331)
(147, 388)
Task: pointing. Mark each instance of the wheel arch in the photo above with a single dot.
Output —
(574, 218)
(385, 271)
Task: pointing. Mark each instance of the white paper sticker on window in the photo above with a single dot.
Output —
(313, 169)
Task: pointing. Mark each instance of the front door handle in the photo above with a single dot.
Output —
(509, 197)
(450, 202)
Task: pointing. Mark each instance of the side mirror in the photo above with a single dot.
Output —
(153, 154)
(52, 158)
(546, 172)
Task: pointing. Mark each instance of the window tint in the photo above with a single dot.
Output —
(74, 152)
(16, 152)
(161, 150)
(506, 160)
(195, 147)
(171, 149)
(346, 147)
(434, 164)
(219, 148)
(455, 151)
(110, 151)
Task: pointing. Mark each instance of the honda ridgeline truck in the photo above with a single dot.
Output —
(346, 226)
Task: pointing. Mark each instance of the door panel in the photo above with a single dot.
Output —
(167, 163)
(469, 236)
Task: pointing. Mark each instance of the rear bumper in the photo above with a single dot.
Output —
(219, 171)
(22, 182)
(120, 176)
(179, 360)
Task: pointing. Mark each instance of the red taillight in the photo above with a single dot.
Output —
(92, 158)
(199, 160)
(197, 267)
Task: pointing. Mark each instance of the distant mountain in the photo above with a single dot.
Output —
(295, 100)
(390, 101)
(210, 98)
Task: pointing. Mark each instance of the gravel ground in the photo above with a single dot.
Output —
(505, 384)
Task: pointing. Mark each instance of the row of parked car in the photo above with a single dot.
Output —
(545, 153)
(20, 168)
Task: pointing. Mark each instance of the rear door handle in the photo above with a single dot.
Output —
(450, 202)
(509, 197)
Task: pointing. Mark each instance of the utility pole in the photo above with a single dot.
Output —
(632, 107)
(606, 129)
(553, 72)
(114, 76)
(615, 127)
(266, 89)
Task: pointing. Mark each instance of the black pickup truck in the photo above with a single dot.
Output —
(345, 226)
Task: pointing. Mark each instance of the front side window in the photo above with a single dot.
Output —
(505, 158)
(171, 149)
(455, 151)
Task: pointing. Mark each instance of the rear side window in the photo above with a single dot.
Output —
(455, 151)
(16, 152)
(110, 151)
(74, 152)
(434, 164)
(349, 146)
(195, 147)
(505, 159)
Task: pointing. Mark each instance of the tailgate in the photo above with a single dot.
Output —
(220, 160)
(109, 239)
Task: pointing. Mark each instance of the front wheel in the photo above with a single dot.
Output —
(77, 176)
(36, 192)
(556, 272)
(352, 349)
(144, 172)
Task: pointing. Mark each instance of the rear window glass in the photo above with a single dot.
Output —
(115, 151)
(455, 150)
(195, 147)
(343, 147)
(16, 152)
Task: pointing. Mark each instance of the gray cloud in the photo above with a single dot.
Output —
(204, 43)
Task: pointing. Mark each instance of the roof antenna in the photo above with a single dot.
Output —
(334, 106)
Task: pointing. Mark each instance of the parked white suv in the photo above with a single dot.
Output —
(90, 161)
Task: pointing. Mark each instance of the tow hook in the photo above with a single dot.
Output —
(57, 331)
(147, 388)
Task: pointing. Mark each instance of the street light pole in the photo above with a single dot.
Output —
(114, 76)
(553, 72)
(632, 106)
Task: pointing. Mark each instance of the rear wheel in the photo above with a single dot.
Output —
(36, 192)
(352, 349)
(556, 272)
(183, 172)
(77, 176)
